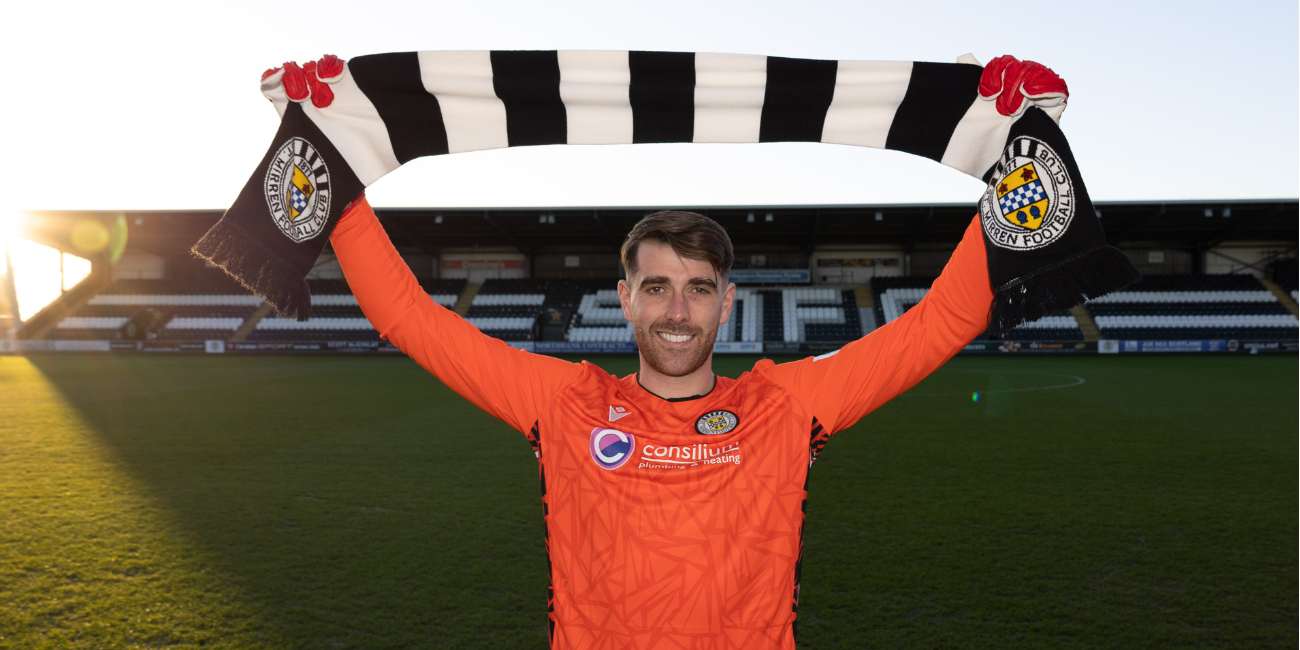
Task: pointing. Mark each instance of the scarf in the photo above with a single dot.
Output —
(344, 125)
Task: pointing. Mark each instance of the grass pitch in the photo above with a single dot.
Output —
(348, 502)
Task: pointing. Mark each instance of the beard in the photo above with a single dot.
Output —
(674, 363)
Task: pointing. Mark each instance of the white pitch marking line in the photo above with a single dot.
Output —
(1077, 382)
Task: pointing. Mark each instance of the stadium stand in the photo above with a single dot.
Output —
(336, 316)
(198, 302)
(819, 314)
(1169, 307)
(746, 322)
(894, 296)
(1193, 307)
(600, 319)
(773, 327)
(759, 314)
(209, 307)
(1162, 307)
(1059, 326)
(1289, 286)
(1178, 307)
(507, 309)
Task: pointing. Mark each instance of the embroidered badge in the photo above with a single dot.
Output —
(297, 187)
(1030, 199)
(716, 423)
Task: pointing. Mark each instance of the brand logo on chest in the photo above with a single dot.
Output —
(682, 457)
(610, 448)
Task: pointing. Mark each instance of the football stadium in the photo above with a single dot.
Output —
(1121, 473)
(246, 421)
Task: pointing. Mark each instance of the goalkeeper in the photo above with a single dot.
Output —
(673, 498)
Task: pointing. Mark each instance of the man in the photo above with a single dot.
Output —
(673, 498)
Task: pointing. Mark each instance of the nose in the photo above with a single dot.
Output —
(677, 310)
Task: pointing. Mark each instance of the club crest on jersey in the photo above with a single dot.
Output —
(716, 423)
(297, 188)
(1030, 199)
(610, 448)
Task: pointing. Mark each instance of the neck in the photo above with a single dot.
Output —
(697, 383)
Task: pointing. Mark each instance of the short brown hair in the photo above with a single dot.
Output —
(690, 235)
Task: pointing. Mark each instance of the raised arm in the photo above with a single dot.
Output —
(510, 384)
(842, 387)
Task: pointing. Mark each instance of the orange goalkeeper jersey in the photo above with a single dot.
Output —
(669, 523)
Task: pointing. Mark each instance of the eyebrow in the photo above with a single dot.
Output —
(694, 282)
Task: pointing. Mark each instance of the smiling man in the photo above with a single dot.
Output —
(676, 295)
(673, 498)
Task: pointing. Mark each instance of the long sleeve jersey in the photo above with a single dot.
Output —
(669, 523)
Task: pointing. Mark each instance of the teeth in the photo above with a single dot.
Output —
(675, 338)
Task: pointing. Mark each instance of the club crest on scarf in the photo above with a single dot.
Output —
(297, 190)
(1030, 199)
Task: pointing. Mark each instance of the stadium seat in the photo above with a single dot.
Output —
(600, 319)
(1193, 307)
(336, 315)
(894, 296)
(820, 314)
(507, 309)
(209, 306)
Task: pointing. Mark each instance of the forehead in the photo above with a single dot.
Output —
(658, 259)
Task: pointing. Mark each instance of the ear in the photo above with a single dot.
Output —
(728, 301)
(625, 299)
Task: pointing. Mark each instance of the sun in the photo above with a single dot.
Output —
(41, 274)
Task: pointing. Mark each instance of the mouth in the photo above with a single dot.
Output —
(675, 338)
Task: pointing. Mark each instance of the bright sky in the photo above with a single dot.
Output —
(121, 105)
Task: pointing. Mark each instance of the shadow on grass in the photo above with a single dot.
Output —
(356, 502)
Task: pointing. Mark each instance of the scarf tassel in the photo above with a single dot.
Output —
(257, 268)
(1069, 282)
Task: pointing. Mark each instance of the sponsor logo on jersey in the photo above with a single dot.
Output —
(617, 412)
(610, 448)
(682, 457)
(1030, 199)
(716, 423)
(297, 188)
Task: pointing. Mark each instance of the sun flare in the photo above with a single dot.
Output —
(41, 273)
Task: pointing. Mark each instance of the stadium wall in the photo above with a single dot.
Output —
(1017, 348)
(578, 264)
(1255, 259)
(140, 266)
(477, 267)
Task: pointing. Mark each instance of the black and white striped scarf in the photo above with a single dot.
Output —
(346, 125)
